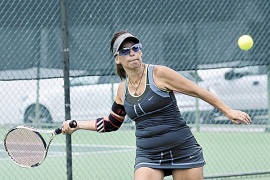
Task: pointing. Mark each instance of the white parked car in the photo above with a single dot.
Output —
(18, 99)
(92, 96)
(241, 88)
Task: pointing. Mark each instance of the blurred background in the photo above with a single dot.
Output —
(198, 39)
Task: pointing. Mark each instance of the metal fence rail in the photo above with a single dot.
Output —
(53, 48)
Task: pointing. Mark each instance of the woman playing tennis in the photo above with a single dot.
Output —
(165, 144)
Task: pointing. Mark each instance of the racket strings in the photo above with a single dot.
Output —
(25, 147)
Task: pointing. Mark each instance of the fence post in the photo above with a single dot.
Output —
(197, 110)
(267, 129)
(65, 51)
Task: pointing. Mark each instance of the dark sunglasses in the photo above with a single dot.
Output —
(126, 51)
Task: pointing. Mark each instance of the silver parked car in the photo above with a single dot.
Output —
(241, 88)
(91, 97)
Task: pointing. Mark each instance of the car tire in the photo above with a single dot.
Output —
(44, 115)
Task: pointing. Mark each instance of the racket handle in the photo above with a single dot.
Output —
(72, 124)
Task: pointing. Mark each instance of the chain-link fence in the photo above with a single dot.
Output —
(196, 38)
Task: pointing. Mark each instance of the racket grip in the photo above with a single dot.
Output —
(58, 131)
(72, 124)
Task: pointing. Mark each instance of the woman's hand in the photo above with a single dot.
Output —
(66, 129)
(239, 117)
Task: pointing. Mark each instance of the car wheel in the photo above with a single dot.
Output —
(44, 115)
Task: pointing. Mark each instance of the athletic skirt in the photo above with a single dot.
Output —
(183, 156)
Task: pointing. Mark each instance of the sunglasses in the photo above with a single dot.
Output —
(126, 51)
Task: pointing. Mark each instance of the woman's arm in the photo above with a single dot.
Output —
(166, 78)
(92, 124)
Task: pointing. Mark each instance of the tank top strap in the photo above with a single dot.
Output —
(152, 83)
(124, 92)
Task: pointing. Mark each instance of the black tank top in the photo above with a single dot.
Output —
(156, 114)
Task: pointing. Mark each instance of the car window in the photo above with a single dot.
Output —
(262, 70)
(86, 80)
(251, 70)
(108, 79)
(92, 80)
(237, 73)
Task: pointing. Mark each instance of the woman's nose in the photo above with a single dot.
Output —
(131, 53)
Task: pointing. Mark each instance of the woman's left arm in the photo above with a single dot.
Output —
(167, 78)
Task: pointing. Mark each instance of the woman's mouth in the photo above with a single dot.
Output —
(133, 60)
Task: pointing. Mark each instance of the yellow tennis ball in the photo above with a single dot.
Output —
(245, 42)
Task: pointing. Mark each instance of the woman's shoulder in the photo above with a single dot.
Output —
(160, 76)
(157, 66)
(160, 70)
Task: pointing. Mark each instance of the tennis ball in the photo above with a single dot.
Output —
(245, 42)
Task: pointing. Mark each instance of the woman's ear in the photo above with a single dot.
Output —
(116, 58)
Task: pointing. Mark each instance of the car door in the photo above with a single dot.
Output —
(91, 97)
(246, 88)
(241, 88)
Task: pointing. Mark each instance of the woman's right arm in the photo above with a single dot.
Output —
(113, 121)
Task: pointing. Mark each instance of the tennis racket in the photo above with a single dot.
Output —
(26, 146)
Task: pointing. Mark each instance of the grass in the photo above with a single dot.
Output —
(225, 152)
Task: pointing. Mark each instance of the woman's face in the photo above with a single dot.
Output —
(128, 56)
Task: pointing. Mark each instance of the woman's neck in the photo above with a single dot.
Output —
(134, 76)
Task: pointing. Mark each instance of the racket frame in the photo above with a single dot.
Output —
(37, 131)
(72, 124)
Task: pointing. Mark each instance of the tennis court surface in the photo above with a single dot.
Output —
(111, 155)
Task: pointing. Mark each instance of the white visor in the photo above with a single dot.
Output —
(120, 39)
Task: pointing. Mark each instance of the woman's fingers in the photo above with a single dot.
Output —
(242, 117)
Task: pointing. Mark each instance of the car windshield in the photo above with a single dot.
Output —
(92, 80)
(237, 73)
(251, 70)
(86, 80)
(108, 79)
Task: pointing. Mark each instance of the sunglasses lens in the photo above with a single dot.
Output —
(136, 48)
(126, 51)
